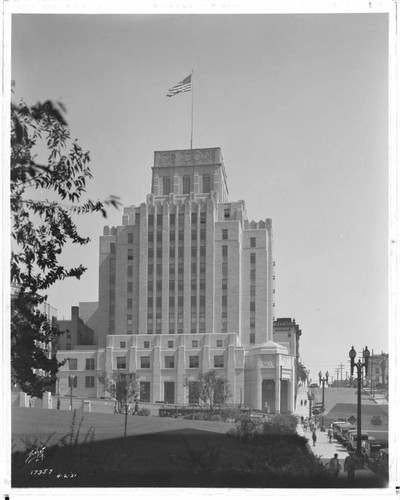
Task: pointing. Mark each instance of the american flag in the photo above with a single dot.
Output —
(183, 86)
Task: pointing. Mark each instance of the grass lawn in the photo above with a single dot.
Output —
(160, 452)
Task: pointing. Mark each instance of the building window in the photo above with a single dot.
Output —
(89, 381)
(146, 344)
(253, 242)
(206, 184)
(74, 381)
(112, 247)
(130, 237)
(130, 287)
(129, 302)
(224, 300)
(219, 343)
(145, 392)
(166, 185)
(172, 219)
(252, 274)
(169, 362)
(130, 253)
(68, 347)
(227, 213)
(121, 363)
(122, 345)
(195, 343)
(169, 392)
(252, 306)
(193, 361)
(224, 250)
(218, 361)
(186, 184)
(170, 344)
(89, 364)
(73, 363)
(252, 258)
(252, 338)
(145, 362)
(151, 220)
(224, 234)
(68, 334)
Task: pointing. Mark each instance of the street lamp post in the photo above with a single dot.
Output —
(71, 383)
(310, 396)
(359, 366)
(323, 380)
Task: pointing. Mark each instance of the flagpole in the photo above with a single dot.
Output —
(191, 132)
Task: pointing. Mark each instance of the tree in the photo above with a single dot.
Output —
(301, 372)
(124, 388)
(40, 230)
(210, 390)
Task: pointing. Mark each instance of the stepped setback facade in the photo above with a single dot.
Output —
(186, 284)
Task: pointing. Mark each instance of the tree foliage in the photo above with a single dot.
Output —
(123, 387)
(210, 390)
(301, 372)
(40, 229)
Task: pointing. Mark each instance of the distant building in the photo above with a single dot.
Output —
(186, 285)
(75, 332)
(287, 332)
(379, 369)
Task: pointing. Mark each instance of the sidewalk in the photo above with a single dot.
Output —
(323, 448)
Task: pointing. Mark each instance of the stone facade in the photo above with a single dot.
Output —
(188, 264)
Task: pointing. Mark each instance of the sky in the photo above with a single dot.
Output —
(298, 105)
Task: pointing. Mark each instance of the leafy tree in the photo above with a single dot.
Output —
(123, 387)
(40, 231)
(301, 372)
(210, 390)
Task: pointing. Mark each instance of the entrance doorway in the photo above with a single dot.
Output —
(268, 395)
(284, 396)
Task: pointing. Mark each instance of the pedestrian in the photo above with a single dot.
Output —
(115, 408)
(58, 403)
(302, 419)
(301, 402)
(136, 410)
(305, 402)
(330, 434)
(334, 466)
(350, 466)
(314, 437)
(305, 426)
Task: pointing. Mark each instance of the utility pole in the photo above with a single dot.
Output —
(337, 377)
(341, 366)
(372, 373)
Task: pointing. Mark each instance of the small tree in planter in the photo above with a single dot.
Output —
(211, 391)
(124, 388)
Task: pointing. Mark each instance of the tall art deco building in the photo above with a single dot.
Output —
(186, 285)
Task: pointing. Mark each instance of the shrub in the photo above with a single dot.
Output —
(144, 412)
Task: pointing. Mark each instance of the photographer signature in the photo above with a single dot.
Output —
(37, 455)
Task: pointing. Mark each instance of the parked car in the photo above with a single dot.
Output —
(352, 439)
(373, 447)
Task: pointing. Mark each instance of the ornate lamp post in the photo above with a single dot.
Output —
(323, 380)
(359, 366)
(310, 397)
